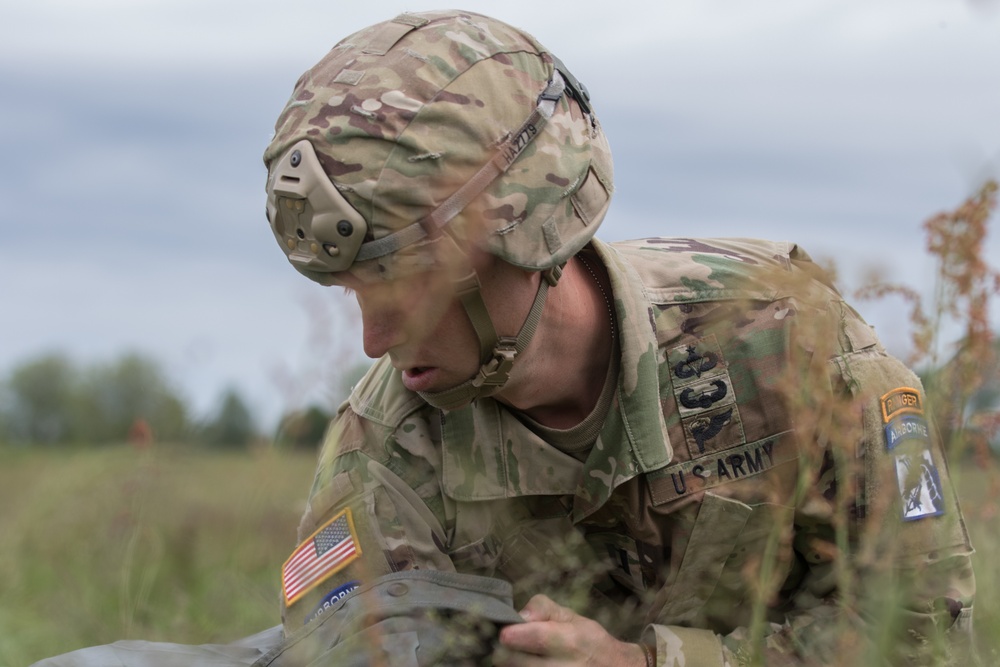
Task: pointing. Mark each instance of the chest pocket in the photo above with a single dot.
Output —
(733, 553)
(625, 564)
(551, 556)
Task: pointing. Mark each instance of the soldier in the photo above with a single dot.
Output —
(667, 451)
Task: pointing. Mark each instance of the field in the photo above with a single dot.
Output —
(185, 546)
(113, 543)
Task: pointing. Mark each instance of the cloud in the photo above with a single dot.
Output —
(132, 132)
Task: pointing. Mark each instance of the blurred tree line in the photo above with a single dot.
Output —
(50, 400)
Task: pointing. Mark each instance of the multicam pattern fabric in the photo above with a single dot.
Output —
(740, 503)
(403, 113)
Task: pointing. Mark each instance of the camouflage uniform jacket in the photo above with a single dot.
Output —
(753, 408)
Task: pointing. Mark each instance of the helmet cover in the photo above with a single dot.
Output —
(402, 114)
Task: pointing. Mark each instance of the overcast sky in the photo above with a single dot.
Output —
(132, 187)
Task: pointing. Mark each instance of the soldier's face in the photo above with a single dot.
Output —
(423, 327)
(420, 324)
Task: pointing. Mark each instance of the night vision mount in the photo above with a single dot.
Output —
(315, 226)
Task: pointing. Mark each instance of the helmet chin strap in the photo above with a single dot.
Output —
(497, 353)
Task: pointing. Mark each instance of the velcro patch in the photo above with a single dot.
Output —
(907, 427)
(717, 468)
(324, 553)
(908, 437)
(900, 401)
(705, 397)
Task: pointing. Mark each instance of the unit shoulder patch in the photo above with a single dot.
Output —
(332, 598)
(908, 439)
(900, 401)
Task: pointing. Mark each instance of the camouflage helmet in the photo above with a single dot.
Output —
(405, 114)
(431, 133)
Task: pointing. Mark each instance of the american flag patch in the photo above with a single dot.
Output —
(326, 552)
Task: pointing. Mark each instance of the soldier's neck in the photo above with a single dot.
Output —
(559, 378)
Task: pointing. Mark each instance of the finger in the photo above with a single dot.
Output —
(535, 637)
(542, 608)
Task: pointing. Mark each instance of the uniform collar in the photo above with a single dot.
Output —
(488, 454)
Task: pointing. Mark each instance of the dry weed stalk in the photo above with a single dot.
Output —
(965, 288)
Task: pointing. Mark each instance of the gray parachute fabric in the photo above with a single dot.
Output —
(418, 618)
(241, 653)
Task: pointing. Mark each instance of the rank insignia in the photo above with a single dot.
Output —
(908, 438)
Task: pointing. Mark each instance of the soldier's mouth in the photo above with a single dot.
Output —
(416, 372)
(419, 378)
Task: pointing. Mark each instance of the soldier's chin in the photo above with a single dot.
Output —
(450, 398)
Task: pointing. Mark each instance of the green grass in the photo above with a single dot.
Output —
(979, 494)
(171, 545)
(184, 546)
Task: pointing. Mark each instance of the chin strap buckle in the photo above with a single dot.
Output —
(495, 371)
(553, 274)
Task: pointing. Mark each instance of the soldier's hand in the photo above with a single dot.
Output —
(554, 635)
